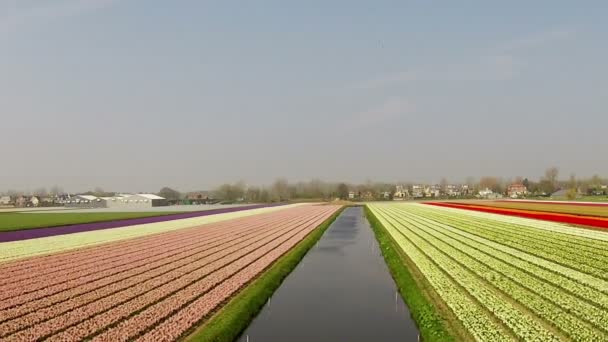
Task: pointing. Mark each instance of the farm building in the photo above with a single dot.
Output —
(121, 201)
(85, 201)
(139, 201)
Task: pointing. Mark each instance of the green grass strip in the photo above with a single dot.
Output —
(429, 321)
(230, 321)
(21, 221)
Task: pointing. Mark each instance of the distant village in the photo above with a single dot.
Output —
(281, 190)
(422, 191)
(85, 201)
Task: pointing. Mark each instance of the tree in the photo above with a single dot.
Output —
(573, 189)
(444, 185)
(551, 175)
(40, 192)
(253, 194)
(280, 189)
(56, 190)
(169, 194)
(526, 183)
(491, 183)
(231, 192)
(342, 191)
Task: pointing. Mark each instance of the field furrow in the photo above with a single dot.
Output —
(154, 253)
(171, 271)
(533, 282)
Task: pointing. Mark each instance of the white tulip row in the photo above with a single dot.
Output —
(536, 297)
(579, 319)
(539, 268)
(590, 247)
(541, 246)
(472, 316)
(540, 224)
(553, 258)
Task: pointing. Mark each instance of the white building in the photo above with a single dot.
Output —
(84, 201)
(488, 194)
(417, 191)
(401, 193)
(35, 201)
(5, 200)
(136, 201)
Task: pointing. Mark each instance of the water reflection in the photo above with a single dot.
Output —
(341, 291)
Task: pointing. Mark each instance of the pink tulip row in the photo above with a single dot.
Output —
(159, 283)
(166, 306)
(180, 323)
(93, 292)
(40, 266)
(48, 285)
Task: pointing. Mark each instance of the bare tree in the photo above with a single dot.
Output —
(280, 189)
(444, 185)
(169, 193)
(551, 175)
(56, 190)
(342, 191)
(40, 192)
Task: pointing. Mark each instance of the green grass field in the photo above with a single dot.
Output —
(19, 221)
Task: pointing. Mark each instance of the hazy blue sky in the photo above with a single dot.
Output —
(133, 95)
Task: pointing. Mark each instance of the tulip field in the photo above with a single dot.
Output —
(151, 283)
(505, 277)
(591, 215)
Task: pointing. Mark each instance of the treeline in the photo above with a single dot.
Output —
(548, 184)
(281, 190)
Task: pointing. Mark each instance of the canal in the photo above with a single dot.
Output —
(340, 291)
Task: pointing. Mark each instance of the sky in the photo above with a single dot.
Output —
(133, 95)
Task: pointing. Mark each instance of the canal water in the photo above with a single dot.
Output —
(340, 291)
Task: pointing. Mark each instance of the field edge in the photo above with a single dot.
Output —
(232, 319)
(434, 324)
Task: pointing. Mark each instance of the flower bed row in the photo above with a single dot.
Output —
(555, 217)
(10, 251)
(533, 297)
(36, 233)
(135, 302)
(98, 263)
(87, 289)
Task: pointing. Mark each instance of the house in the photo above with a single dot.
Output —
(199, 197)
(21, 201)
(33, 202)
(488, 194)
(351, 195)
(516, 190)
(386, 195)
(417, 191)
(452, 190)
(401, 193)
(432, 191)
(5, 200)
(368, 196)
